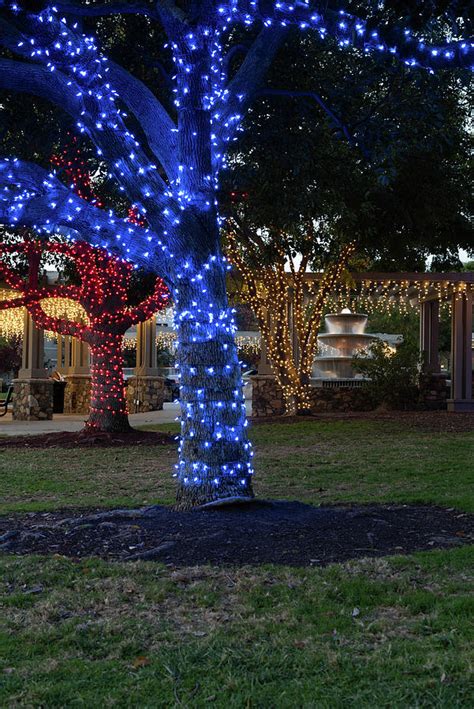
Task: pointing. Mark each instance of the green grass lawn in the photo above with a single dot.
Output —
(375, 633)
(315, 462)
(372, 633)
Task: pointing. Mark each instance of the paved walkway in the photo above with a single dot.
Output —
(74, 422)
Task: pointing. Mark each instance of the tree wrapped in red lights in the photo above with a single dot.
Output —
(103, 294)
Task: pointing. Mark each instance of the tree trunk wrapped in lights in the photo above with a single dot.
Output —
(272, 289)
(173, 176)
(103, 295)
(215, 454)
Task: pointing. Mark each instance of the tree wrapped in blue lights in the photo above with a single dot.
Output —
(171, 174)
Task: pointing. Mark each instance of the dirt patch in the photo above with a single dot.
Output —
(279, 532)
(429, 421)
(92, 439)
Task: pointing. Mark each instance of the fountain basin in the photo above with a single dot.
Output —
(346, 323)
(333, 368)
(345, 337)
(344, 345)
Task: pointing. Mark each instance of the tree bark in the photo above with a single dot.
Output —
(108, 411)
(214, 455)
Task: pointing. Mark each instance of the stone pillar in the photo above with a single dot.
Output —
(146, 389)
(461, 354)
(429, 335)
(33, 390)
(77, 375)
(433, 390)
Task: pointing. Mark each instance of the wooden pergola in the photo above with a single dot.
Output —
(427, 291)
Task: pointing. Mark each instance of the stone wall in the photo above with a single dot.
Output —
(433, 391)
(32, 399)
(343, 399)
(77, 394)
(267, 398)
(145, 394)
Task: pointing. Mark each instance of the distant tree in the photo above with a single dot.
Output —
(10, 355)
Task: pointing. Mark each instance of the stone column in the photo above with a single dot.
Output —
(78, 377)
(429, 335)
(33, 390)
(146, 389)
(461, 354)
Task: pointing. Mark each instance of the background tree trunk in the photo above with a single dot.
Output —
(108, 410)
(215, 454)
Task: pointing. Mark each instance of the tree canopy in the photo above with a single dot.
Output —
(363, 150)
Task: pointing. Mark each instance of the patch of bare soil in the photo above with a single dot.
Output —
(85, 439)
(262, 532)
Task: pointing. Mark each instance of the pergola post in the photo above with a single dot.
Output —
(33, 390)
(461, 353)
(146, 389)
(76, 372)
(146, 363)
(429, 335)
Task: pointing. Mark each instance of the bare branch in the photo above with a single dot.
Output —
(244, 87)
(333, 117)
(37, 80)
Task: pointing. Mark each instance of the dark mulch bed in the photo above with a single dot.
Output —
(278, 532)
(84, 439)
(429, 421)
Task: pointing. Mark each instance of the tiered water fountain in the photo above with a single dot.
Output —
(344, 338)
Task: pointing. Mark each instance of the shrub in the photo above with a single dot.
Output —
(393, 375)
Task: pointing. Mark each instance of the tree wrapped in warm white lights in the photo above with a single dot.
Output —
(171, 174)
(287, 306)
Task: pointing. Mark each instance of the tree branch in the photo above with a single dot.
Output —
(349, 30)
(32, 79)
(335, 120)
(61, 49)
(102, 9)
(30, 196)
(151, 305)
(244, 87)
(155, 121)
(58, 325)
(13, 303)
